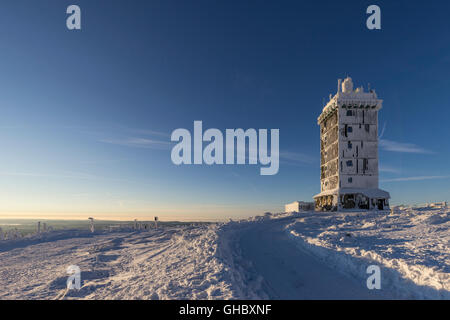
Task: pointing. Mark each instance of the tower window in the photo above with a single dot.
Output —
(349, 163)
(349, 145)
(350, 180)
(350, 129)
(349, 113)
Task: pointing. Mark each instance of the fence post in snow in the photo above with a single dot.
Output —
(92, 224)
(39, 227)
(156, 222)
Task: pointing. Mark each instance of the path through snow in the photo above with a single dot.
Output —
(291, 273)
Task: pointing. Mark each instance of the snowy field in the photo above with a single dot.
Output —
(169, 263)
(411, 246)
(284, 256)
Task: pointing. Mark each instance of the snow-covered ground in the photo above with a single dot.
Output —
(169, 263)
(411, 246)
(287, 256)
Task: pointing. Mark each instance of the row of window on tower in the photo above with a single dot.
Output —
(349, 163)
(349, 129)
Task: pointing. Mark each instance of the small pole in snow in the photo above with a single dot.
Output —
(92, 224)
(156, 222)
(135, 224)
(39, 227)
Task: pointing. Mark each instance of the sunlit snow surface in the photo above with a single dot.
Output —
(262, 257)
(412, 246)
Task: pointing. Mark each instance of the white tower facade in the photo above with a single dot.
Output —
(349, 151)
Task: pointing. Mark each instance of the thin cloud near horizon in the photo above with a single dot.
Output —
(287, 157)
(394, 146)
(139, 142)
(388, 169)
(69, 175)
(290, 157)
(417, 178)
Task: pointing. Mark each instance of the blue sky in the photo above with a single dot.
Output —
(86, 116)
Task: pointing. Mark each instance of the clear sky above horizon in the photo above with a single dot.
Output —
(86, 116)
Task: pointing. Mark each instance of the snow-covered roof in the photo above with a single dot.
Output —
(349, 97)
(299, 202)
(371, 193)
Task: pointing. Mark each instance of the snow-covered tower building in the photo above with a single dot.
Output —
(349, 151)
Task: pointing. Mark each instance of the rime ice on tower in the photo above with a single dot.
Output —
(349, 151)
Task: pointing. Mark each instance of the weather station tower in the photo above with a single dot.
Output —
(349, 151)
